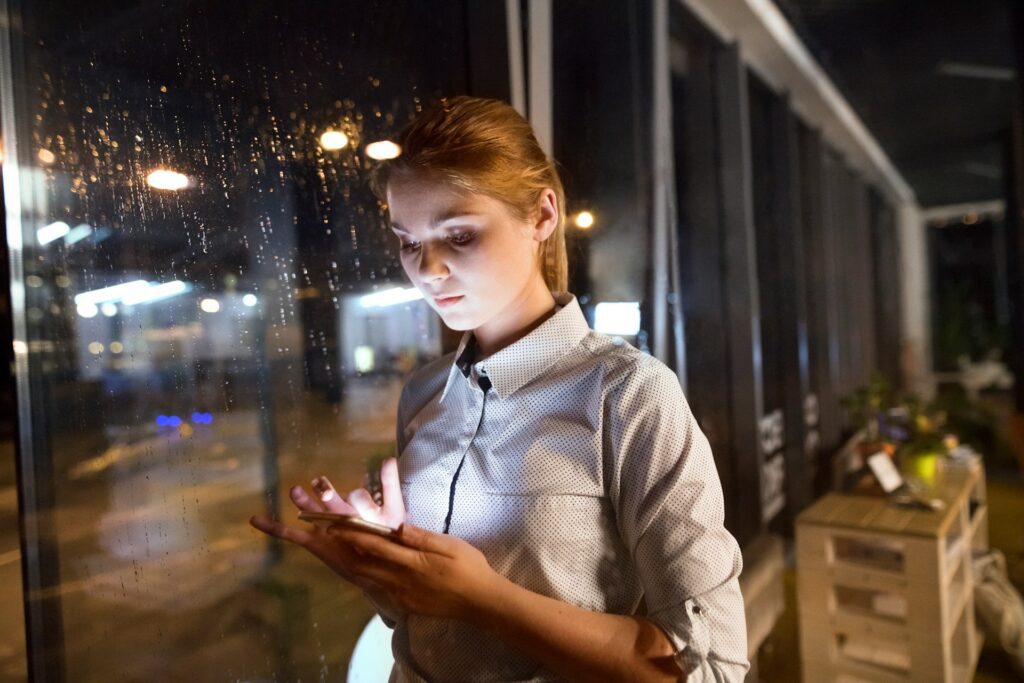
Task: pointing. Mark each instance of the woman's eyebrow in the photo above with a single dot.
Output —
(452, 213)
(439, 218)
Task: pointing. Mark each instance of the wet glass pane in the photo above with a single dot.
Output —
(199, 244)
(601, 113)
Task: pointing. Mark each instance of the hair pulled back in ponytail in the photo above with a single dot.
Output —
(484, 146)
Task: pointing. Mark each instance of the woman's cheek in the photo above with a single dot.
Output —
(410, 265)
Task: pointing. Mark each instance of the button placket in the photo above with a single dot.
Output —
(480, 400)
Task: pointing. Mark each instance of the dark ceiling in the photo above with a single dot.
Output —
(931, 79)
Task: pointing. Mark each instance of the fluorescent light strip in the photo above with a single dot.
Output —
(390, 297)
(51, 232)
(990, 73)
(79, 232)
(113, 293)
(156, 292)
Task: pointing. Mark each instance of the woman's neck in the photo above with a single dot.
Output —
(525, 314)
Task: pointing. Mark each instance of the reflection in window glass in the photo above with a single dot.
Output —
(215, 312)
(601, 115)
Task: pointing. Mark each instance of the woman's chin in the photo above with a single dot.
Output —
(457, 320)
(456, 323)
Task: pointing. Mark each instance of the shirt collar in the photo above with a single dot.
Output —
(522, 361)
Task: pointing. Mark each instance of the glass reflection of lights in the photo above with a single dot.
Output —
(383, 149)
(333, 139)
(78, 233)
(46, 156)
(88, 310)
(116, 347)
(109, 309)
(175, 421)
(617, 318)
(95, 348)
(249, 300)
(164, 179)
(156, 292)
(112, 293)
(209, 305)
(51, 232)
(128, 293)
(390, 297)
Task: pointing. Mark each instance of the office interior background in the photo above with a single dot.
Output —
(801, 206)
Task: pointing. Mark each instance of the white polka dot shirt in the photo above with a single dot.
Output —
(573, 462)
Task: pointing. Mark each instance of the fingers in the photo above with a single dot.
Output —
(281, 530)
(330, 497)
(377, 546)
(304, 501)
(362, 501)
(394, 506)
(375, 492)
(421, 539)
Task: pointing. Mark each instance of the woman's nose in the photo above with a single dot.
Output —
(432, 265)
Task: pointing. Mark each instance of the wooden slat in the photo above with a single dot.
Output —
(934, 602)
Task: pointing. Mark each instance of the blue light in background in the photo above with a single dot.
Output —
(175, 421)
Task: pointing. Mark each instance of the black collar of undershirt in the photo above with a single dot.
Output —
(465, 363)
(465, 359)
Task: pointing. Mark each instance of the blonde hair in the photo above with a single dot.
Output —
(484, 146)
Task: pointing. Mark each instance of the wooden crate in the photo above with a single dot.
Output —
(885, 594)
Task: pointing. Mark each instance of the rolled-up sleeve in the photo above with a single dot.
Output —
(668, 502)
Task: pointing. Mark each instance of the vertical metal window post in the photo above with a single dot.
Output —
(516, 75)
(539, 81)
(40, 563)
(743, 308)
(665, 253)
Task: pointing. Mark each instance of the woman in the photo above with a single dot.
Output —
(550, 478)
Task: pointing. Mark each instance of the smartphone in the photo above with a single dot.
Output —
(350, 520)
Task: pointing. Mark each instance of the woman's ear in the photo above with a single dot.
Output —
(547, 216)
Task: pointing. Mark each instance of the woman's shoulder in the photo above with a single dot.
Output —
(426, 378)
(625, 365)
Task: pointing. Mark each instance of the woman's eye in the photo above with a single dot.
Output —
(462, 238)
(410, 246)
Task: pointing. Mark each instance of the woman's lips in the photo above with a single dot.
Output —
(447, 301)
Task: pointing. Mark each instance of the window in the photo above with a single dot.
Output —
(213, 311)
(601, 117)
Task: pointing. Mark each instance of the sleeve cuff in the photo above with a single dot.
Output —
(388, 621)
(687, 629)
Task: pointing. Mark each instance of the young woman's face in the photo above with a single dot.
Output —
(471, 258)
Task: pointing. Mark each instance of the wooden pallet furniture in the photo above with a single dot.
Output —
(885, 594)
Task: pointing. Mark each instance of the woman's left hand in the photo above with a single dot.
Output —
(423, 572)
